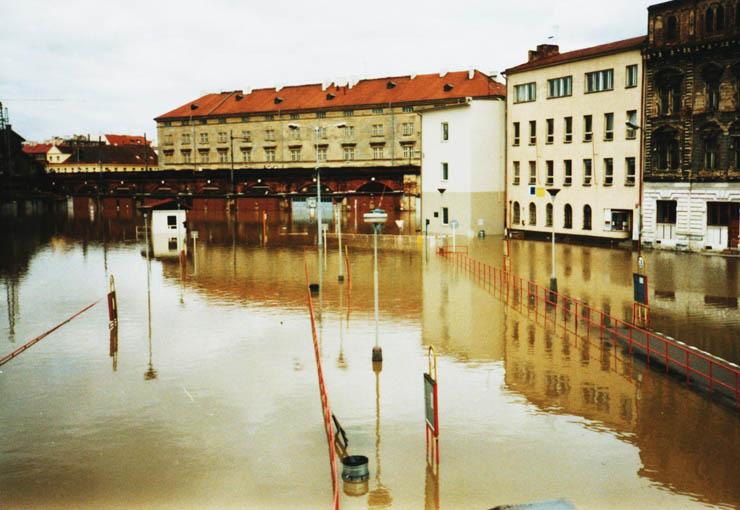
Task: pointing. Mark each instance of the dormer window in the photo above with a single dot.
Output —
(390, 85)
(278, 99)
(330, 96)
(448, 87)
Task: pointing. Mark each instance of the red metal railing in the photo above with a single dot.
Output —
(328, 427)
(577, 317)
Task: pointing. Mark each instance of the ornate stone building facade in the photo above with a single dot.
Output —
(691, 122)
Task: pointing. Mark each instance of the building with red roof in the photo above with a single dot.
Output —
(365, 130)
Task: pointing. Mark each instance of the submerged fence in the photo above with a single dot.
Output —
(578, 318)
(326, 410)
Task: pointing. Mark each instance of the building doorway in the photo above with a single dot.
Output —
(723, 224)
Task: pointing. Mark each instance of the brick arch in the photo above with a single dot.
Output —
(374, 187)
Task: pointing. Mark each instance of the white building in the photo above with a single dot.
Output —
(567, 130)
(462, 168)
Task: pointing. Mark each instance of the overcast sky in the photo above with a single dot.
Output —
(111, 67)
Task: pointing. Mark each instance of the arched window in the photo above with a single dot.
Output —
(516, 214)
(548, 215)
(736, 67)
(669, 84)
(711, 74)
(720, 17)
(532, 214)
(671, 33)
(714, 18)
(568, 216)
(709, 19)
(709, 136)
(586, 217)
(666, 154)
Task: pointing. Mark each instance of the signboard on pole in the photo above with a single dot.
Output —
(639, 283)
(430, 402)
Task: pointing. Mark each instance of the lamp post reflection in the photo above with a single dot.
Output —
(150, 373)
(380, 496)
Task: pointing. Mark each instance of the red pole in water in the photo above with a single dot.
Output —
(112, 304)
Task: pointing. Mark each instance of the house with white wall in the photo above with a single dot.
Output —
(462, 168)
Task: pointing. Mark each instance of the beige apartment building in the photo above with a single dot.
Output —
(365, 126)
(567, 130)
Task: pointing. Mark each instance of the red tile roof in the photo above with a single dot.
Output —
(570, 56)
(126, 140)
(370, 92)
(37, 148)
(108, 154)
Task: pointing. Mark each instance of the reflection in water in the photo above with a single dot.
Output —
(519, 402)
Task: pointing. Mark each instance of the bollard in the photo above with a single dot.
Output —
(377, 354)
(314, 288)
(112, 304)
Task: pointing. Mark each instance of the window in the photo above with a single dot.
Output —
(711, 75)
(408, 109)
(168, 140)
(445, 171)
(666, 153)
(735, 140)
(223, 155)
(548, 215)
(349, 131)
(348, 152)
(719, 213)
(408, 151)
(516, 133)
(550, 131)
(568, 167)
(321, 153)
(631, 132)
(629, 171)
(532, 214)
(269, 117)
(246, 136)
(665, 211)
(348, 113)
(294, 116)
(171, 220)
(532, 132)
(185, 156)
(295, 154)
(407, 128)
(671, 32)
(516, 173)
(568, 130)
(586, 217)
(587, 172)
(270, 134)
(631, 73)
(599, 81)
(714, 18)
(608, 127)
(568, 216)
(608, 171)
(204, 138)
(446, 131)
(516, 214)
(270, 154)
(560, 87)
(550, 173)
(669, 84)
(445, 215)
(588, 128)
(295, 133)
(378, 152)
(525, 93)
(320, 115)
(204, 155)
(322, 132)
(532, 173)
(710, 153)
(377, 111)
(185, 138)
(377, 129)
(246, 154)
(222, 137)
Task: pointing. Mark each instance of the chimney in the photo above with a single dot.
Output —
(471, 74)
(542, 51)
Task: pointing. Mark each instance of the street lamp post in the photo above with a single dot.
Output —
(553, 279)
(376, 217)
(316, 131)
(338, 214)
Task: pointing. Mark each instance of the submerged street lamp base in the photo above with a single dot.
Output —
(554, 284)
(340, 278)
(377, 354)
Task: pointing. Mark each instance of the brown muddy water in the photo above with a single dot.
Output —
(212, 399)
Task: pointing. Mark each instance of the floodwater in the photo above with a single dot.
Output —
(211, 400)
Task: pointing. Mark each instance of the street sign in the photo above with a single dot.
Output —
(640, 263)
(430, 402)
(639, 283)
